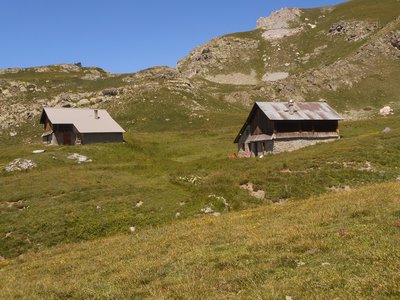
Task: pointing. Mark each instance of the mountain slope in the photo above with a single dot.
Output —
(348, 54)
(331, 52)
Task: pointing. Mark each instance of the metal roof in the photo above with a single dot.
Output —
(83, 119)
(302, 111)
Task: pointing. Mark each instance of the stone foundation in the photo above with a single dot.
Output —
(287, 145)
(278, 146)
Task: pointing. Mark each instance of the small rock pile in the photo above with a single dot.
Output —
(20, 164)
(354, 30)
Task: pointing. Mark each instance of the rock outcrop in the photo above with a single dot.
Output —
(281, 19)
(215, 57)
(282, 23)
(353, 30)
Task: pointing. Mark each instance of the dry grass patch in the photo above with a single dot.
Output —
(340, 245)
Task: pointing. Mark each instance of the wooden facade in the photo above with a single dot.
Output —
(263, 129)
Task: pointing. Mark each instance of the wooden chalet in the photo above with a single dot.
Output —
(283, 126)
(74, 126)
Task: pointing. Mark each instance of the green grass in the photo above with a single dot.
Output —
(383, 11)
(372, 92)
(255, 63)
(67, 222)
(63, 196)
(343, 245)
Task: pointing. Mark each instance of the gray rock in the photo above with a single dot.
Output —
(6, 93)
(207, 210)
(280, 19)
(275, 76)
(79, 158)
(83, 102)
(385, 111)
(216, 54)
(38, 151)
(110, 92)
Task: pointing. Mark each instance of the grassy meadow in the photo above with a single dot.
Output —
(327, 228)
(65, 226)
(62, 201)
(343, 245)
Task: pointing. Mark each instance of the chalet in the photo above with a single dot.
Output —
(285, 126)
(74, 126)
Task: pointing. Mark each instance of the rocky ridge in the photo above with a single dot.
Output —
(216, 53)
(270, 62)
(280, 24)
(278, 79)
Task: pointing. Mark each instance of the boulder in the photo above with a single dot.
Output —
(83, 102)
(110, 92)
(385, 111)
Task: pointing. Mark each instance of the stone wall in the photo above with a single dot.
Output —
(287, 145)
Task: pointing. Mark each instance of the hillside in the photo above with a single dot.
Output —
(207, 225)
(151, 100)
(348, 55)
(342, 245)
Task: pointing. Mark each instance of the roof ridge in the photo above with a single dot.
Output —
(81, 108)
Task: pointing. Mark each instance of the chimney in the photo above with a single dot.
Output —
(291, 107)
(96, 114)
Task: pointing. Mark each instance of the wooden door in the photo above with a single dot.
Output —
(67, 138)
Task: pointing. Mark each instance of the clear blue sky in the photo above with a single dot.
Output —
(122, 35)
